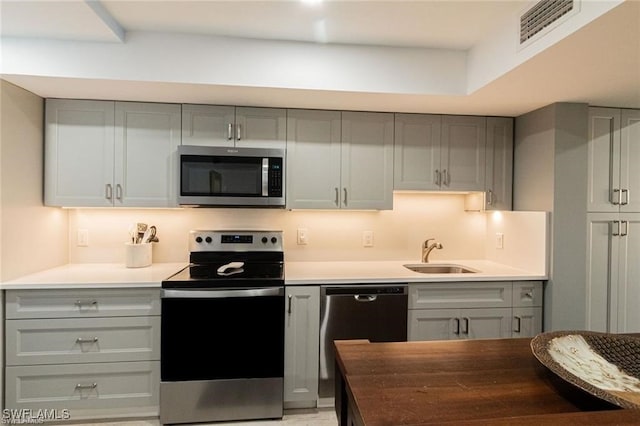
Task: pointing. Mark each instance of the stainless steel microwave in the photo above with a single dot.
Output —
(234, 177)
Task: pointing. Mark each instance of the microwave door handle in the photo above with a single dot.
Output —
(265, 177)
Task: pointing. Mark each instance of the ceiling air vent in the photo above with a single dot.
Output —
(540, 16)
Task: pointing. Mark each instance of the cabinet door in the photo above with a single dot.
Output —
(261, 127)
(603, 160)
(208, 125)
(313, 159)
(367, 160)
(527, 322)
(630, 161)
(302, 345)
(79, 153)
(499, 164)
(602, 271)
(433, 324)
(462, 161)
(628, 314)
(147, 137)
(486, 323)
(417, 152)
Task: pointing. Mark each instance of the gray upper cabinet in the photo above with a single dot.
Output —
(435, 152)
(104, 153)
(339, 160)
(614, 155)
(499, 164)
(222, 125)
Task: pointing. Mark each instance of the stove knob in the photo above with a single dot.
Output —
(208, 240)
(274, 240)
(264, 240)
(198, 239)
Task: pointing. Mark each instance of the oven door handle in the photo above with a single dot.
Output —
(219, 294)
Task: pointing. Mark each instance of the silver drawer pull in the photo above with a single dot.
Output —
(87, 303)
(82, 340)
(80, 386)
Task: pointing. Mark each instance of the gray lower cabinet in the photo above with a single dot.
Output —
(95, 353)
(472, 310)
(302, 345)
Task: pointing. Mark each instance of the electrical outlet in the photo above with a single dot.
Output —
(499, 240)
(83, 237)
(302, 236)
(367, 238)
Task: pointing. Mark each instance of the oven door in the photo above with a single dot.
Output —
(222, 354)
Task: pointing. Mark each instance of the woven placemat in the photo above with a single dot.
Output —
(620, 350)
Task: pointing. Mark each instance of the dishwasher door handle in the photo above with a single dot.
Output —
(365, 297)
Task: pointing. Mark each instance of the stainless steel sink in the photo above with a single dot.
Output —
(439, 268)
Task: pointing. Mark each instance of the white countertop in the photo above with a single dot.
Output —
(116, 275)
(363, 272)
(95, 275)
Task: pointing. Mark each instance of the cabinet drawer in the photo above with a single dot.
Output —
(527, 293)
(86, 390)
(82, 303)
(460, 295)
(64, 341)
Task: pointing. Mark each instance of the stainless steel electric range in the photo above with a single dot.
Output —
(222, 335)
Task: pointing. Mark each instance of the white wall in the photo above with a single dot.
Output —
(32, 237)
(333, 235)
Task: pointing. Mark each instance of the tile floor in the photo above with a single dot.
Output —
(311, 417)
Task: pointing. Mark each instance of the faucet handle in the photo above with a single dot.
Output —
(426, 242)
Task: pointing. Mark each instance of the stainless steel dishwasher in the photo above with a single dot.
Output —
(374, 312)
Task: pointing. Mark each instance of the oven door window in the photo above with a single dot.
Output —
(220, 176)
(222, 338)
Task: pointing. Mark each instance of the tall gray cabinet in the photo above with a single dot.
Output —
(613, 220)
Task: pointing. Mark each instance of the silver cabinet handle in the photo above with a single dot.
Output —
(437, 177)
(337, 197)
(457, 330)
(80, 386)
(229, 131)
(446, 179)
(86, 303)
(626, 229)
(119, 192)
(289, 309)
(238, 132)
(345, 196)
(529, 294)
(108, 192)
(490, 196)
(518, 324)
(617, 231)
(466, 325)
(624, 201)
(82, 340)
(615, 197)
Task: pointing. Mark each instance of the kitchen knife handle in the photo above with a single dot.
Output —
(108, 192)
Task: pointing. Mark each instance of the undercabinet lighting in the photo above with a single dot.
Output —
(311, 2)
(497, 216)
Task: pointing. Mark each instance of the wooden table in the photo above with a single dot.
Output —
(465, 382)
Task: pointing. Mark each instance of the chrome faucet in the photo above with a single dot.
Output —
(427, 248)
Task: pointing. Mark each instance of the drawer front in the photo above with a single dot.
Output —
(82, 303)
(527, 293)
(64, 341)
(460, 295)
(86, 390)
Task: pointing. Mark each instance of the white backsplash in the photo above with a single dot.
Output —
(332, 235)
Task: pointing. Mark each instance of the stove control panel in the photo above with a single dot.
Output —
(219, 240)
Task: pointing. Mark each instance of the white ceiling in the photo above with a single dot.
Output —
(599, 64)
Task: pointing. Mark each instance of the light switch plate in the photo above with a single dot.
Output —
(302, 236)
(83, 238)
(367, 238)
(499, 240)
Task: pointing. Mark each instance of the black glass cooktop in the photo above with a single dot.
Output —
(247, 275)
